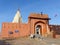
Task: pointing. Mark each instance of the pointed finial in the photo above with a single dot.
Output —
(18, 9)
(41, 13)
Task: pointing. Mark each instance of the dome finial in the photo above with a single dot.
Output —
(18, 9)
(41, 13)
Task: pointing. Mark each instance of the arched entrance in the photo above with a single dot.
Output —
(38, 30)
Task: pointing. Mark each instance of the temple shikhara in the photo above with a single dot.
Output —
(38, 24)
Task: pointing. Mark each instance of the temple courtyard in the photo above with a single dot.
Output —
(29, 41)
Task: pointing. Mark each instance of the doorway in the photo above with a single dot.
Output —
(38, 30)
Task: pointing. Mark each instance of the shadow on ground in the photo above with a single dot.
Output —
(3, 42)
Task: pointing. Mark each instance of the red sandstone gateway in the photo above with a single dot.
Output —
(37, 24)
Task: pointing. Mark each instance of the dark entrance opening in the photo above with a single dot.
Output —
(38, 30)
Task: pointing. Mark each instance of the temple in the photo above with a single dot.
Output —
(38, 24)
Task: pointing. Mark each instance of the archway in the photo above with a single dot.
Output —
(38, 30)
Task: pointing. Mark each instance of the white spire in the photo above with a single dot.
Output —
(17, 18)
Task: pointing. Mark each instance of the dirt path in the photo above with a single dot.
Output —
(29, 41)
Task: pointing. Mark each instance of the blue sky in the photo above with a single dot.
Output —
(8, 9)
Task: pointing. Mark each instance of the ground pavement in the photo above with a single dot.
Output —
(29, 41)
